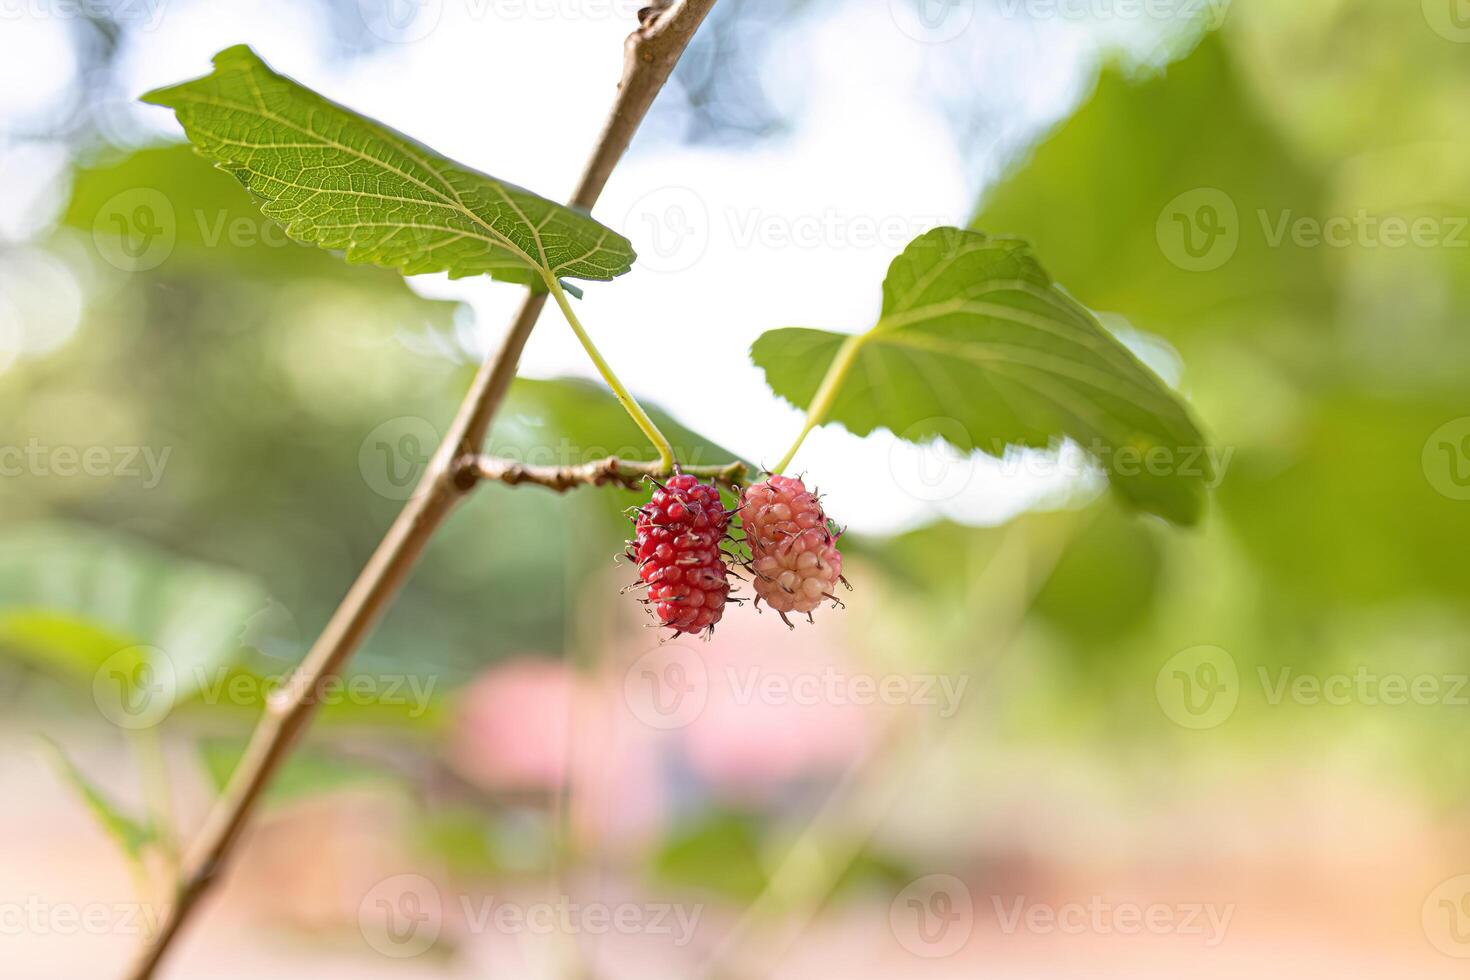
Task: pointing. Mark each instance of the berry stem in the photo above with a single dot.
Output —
(650, 54)
(826, 394)
(624, 473)
(625, 398)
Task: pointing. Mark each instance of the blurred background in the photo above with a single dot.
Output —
(1045, 738)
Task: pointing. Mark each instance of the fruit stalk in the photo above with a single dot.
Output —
(624, 396)
(624, 473)
(825, 396)
(650, 54)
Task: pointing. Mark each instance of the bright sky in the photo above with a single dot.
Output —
(898, 114)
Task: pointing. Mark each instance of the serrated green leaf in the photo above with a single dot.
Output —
(130, 834)
(978, 347)
(337, 179)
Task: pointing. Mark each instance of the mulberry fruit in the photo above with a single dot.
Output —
(793, 552)
(676, 545)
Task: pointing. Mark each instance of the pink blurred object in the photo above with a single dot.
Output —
(746, 740)
(514, 725)
(527, 722)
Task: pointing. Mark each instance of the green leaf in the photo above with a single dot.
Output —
(213, 229)
(1106, 582)
(73, 597)
(340, 180)
(1159, 200)
(1357, 502)
(130, 834)
(977, 346)
(721, 853)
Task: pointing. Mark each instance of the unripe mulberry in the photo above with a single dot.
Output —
(793, 552)
(676, 544)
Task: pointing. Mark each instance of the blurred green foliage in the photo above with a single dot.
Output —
(269, 371)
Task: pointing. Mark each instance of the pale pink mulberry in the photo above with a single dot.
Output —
(793, 551)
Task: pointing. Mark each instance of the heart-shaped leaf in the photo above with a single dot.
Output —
(978, 347)
(340, 180)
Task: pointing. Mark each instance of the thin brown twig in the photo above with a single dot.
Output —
(650, 54)
(597, 473)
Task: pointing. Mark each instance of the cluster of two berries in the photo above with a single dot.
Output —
(793, 558)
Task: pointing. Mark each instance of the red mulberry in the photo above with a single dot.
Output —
(793, 553)
(677, 548)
